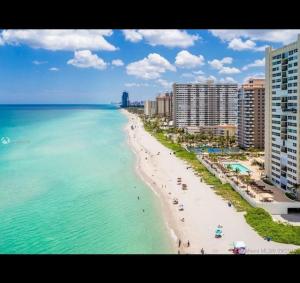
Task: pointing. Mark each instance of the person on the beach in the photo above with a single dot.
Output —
(202, 251)
(138, 197)
(179, 243)
(182, 219)
(188, 243)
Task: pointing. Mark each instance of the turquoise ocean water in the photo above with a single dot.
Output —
(67, 184)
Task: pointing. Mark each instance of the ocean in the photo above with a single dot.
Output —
(68, 184)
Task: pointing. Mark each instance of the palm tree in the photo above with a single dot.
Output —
(229, 167)
(296, 191)
(248, 179)
(227, 140)
(237, 171)
(232, 140)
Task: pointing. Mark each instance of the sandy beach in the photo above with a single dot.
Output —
(203, 209)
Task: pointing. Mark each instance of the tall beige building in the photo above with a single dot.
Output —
(251, 114)
(204, 104)
(150, 108)
(164, 105)
(282, 116)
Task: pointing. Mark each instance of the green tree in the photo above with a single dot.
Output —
(237, 172)
(229, 167)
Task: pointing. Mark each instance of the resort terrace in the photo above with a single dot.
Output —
(247, 181)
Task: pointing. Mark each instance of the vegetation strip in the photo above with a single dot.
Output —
(260, 220)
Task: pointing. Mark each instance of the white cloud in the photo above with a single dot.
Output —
(165, 83)
(227, 80)
(219, 65)
(54, 69)
(185, 59)
(117, 62)
(193, 74)
(169, 38)
(85, 59)
(198, 72)
(256, 63)
(150, 67)
(275, 35)
(240, 45)
(136, 84)
(204, 79)
(36, 62)
(187, 75)
(59, 39)
(229, 70)
(132, 35)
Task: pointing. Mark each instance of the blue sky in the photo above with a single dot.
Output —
(95, 66)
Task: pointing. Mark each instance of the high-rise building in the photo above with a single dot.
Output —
(204, 104)
(125, 99)
(282, 116)
(164, 105)
(251, 114)
(150, 108)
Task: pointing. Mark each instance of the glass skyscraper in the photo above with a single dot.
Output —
(125, 99)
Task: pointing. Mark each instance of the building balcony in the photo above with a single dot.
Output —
(283, 131)
(284, 106)
(283, 118)
(283, 174)
(286, 109)
(284, 149)
(283, 136)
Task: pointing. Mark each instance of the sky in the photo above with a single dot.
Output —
(96, 66)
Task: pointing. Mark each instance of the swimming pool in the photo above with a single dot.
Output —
(242, 169)
(199, 150)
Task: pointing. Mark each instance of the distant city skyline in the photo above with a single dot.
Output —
(96, 66)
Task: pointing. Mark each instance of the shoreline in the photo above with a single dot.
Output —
(203, 209)
(174, 233)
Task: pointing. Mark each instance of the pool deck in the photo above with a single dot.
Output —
(275, 202)
(235, 164)
(256, 174)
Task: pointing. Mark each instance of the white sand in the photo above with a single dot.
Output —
(203, 209)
